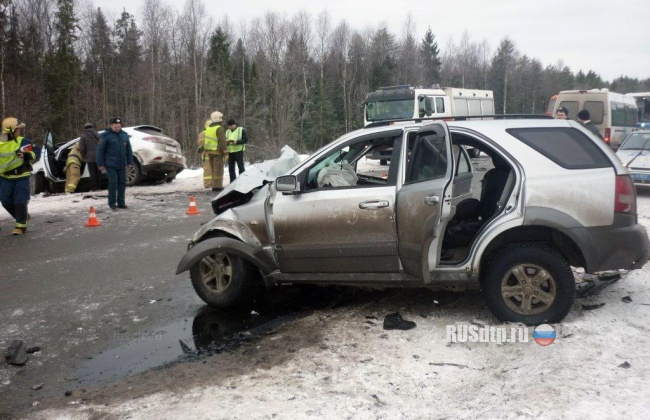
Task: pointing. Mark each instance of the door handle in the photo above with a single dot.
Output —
(431, 200)
(373, 204)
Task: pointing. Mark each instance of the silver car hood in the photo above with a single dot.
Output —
(634, 157)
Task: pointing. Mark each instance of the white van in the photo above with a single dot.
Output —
(614, 114)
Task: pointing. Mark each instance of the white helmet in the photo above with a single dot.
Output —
(216, 116)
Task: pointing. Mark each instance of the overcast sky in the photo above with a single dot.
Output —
(610, 37)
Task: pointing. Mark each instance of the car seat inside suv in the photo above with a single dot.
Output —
(471, 214)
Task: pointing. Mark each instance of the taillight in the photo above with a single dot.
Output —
(152, 139)
(608, 135)
(625, 196)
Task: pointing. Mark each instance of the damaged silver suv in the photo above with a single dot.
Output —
(556, 197)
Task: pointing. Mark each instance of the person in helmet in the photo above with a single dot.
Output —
(16, 155)
(215, 152)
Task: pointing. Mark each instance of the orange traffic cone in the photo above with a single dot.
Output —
(92, 219)
(192, 209)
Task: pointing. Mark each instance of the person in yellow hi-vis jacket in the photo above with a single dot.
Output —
(237, 139)
(16, 157)
(73, 169)
(212, 143)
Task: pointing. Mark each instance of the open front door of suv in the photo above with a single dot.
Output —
(424, 199)
(50, 167)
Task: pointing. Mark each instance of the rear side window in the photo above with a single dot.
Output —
(151, 131)
(622, 114)
(568, 147)
(430, 159)
(596, 111)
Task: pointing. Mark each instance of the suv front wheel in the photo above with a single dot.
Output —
(223, 280)
(529, 283)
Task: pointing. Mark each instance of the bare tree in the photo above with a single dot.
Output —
(156, 17)
(322, 35)
(407, 72)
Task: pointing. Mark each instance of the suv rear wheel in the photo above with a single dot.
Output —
(223, 280)
(529, 283)
(133, 174)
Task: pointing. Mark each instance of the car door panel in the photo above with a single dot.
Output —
(50, 166)
(336, 230)
(424, 199)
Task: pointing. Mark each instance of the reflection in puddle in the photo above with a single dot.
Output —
(211, 332)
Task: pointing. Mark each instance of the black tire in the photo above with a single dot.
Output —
(36, 183)
(55, 187)
(383, 162)
(133, 175)
(169, 179)
(224, 280)
(557, 285)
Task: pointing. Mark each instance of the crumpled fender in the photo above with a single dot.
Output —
(226, 245)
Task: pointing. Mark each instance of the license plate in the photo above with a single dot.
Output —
(170, 148)
(640, 177)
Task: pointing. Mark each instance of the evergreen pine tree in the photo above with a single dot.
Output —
(63, 70)
(430, 58)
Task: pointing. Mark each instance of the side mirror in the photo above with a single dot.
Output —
(286, 183)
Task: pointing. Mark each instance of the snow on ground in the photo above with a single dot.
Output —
(597, 367)
(190, 180)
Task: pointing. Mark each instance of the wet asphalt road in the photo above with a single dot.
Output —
(104, 303)
(77, 291)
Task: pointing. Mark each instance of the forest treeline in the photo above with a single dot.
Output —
(298, 80)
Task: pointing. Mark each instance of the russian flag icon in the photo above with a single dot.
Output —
(544, 335)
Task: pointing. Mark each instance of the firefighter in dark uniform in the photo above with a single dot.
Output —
(16, 155)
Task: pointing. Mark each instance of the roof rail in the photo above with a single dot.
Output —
(463, 118)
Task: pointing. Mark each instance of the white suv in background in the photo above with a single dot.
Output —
(156, 157)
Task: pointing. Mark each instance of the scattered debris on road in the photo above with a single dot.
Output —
(592, 307)
(16, 354)
(395, 321)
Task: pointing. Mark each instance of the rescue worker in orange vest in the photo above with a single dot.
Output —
(16, 155)
(73, 169)
(237, 139)
(215, 152)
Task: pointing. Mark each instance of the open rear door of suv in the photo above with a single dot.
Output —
(420, 200)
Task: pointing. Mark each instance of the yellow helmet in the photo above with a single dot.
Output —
(216, 116)
(10, 124)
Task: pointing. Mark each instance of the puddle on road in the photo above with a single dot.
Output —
(211, 331)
